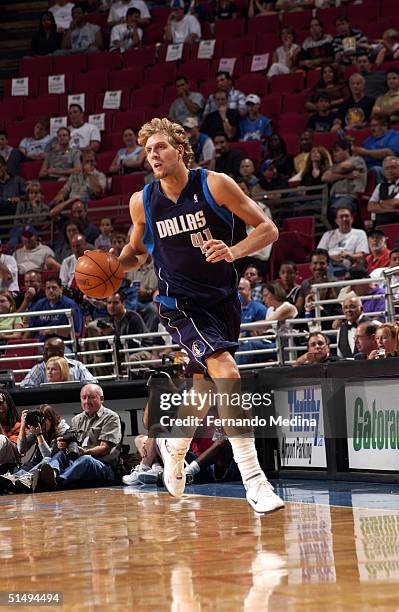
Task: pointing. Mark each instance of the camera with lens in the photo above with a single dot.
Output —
(34, 418)
(72, 449)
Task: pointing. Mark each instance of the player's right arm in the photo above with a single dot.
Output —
(134, 254)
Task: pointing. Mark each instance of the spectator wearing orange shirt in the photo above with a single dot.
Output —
(379, 252)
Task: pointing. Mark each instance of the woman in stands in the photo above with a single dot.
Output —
(278, 153)
(7, 305)
(317, 163)
(285, 57)
(39, 439)
(46, 40)
(386, 338)
(57, 370)
(278, 308)
(131, 157)
(331, 85)
(63, 248)
(9, 429)
(389, 102)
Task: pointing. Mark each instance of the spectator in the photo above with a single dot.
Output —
(57, 370)
(54, 300)
(226, 160)
(347, 177)
(393, 263)
(81, 36)
(379, 253)
(222, 120)
(382, 142)
(38, 441)
(319, 261)
(348, 42)
(32, 209)
(375, 79)
(386, 338)
(247, 174)
(8, 306)
(318, 350)
(33, 255)
(118, 12)
(278, 153)
(317, 164)
(78, 212)
(127, 35)
(83, 135)
(305, 146)
(131, 157)
(67, 270)
(293, 5)
(147, 279)
(99, 437)
(225, 9)
(202, 146)
(366, 292)
(103, 241)
(87, 184)
(252, 274)
(331, 85)
(365, 339)
(389, 102)
(353, 313)
(188, 103)
(384, 201)
(46, 40)
(5, 148)
(123, 321)
(255, 126)
(235, 98)
(181, 28)
(285, 57)
(287, 277)
(32, 292)
(389, 51)
(8, 273)
(251, 311)
(259, 7)
(62, 12)
(61, 161)
(278, 307)
(31, 148)
(317, 48)
(322, 120)
(346, 245)
(271, 180)
(55, 347)
(70, 228)
(355, 113)
(9, 429)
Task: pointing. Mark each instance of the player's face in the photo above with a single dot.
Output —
(162, 157)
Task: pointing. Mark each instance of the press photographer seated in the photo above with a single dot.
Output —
(36, 439)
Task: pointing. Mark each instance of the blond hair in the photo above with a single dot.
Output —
(175, 133)
(62, 364)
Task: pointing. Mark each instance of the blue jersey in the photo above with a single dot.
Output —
(174, 236)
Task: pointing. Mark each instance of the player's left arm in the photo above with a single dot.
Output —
(227, 193)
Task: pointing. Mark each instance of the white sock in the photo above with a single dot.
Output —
(193, 468)
(246, 457)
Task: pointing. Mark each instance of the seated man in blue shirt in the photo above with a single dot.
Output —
(382, 142)
(55, 300)
(255, 126)
(251, 311)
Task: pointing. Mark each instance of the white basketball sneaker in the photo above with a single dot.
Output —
(133, 477)
(174, 476)
(261, 497)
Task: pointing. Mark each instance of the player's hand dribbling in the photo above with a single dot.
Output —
(217, 250)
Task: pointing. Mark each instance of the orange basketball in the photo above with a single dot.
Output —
(98, 274)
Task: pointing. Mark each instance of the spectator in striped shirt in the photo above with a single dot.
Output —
(348, 42)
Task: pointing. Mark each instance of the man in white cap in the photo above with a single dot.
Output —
(181, 28)
(201, 144)
(254, 126)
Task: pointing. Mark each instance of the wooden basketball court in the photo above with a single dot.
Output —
(129, 549)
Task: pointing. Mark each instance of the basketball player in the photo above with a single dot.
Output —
(184, 220)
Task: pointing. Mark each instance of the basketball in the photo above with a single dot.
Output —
(98, 274)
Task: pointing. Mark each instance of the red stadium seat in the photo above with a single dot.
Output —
(266, 43)
(289, 83)
(12, 109)
(153, 34)
(89, 102)
(69, 85)
(292, 122)
(237, 71)
(264, 24)
(133, 118)
(295, 103)
(114, 201)
(359, 136)
(185, 54)
(313, 77)
(45, 106)
(388, 8)
(298, 20)
(50, 189)
(94, 81)
(229, 28)
(287, 247)
(36, 66)
(305, 226)
(325, 139)
(30, 170)
(33, 88)
(328, 15)
(129, 78)
(251, 148)
(20, 129)
(70, 63)
(124, 105)
(197, 69)
(107, 61)
(111, 141)
(391, 230)
(291, 142)
(367, 11)
(236, 47)
(128, 183)
(20, 351)
(303, 272)
(104, 160)
(139, 57)
(99, 19)
(161, 73)
(252, 83)
(160, 14)
(149, 95)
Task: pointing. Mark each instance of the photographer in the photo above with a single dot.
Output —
(90, 451)
(37, 436)
(9, 429)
